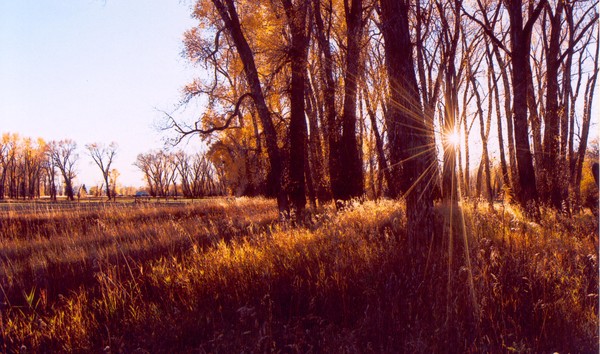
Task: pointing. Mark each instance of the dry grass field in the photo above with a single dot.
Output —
(223, 276)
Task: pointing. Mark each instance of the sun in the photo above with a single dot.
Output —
(453, 139)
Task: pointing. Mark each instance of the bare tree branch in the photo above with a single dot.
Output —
(184, 130)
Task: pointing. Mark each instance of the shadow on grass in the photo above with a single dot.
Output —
(347, 286)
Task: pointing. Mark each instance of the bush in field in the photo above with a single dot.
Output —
(589, 186)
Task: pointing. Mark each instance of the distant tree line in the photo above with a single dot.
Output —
(181, 174)
(31, 168)
(34, 168)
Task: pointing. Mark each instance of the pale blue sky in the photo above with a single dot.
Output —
(92, 71)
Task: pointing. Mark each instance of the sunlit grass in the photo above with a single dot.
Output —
(225, 277)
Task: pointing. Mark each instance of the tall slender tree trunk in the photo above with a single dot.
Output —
(352, 185)
(451, 83)
(409, 136)
(484, 131)
(520, 36)
(333, 128)
(466, 130)
(381, 159)
(296, 16)
(496, 93)
(551, 165)
(512, 155)
(315, 146)
(587, 116)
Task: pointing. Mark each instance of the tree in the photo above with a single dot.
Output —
(332, 123)
(352, 185)
(197, 174)
(64, 156)
(297, 15)
(8, 151)
(520, 35)
(587, 116)
(409, 136)
(114, 174)
(451, 32)
(160, 171)
(520, 31)
(231, 24)
(103, 156)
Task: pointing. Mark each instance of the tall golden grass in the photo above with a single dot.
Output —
(225, 276)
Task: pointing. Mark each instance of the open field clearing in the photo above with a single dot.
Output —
(224, 276)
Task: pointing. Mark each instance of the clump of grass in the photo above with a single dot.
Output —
(344, 283)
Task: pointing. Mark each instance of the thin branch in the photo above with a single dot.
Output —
(487, 30)
(184, 131)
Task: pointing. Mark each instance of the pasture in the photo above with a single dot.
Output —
(224, 275)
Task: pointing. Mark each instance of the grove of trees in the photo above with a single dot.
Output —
(31, 168)
(196, 174)
(338, 99)
(313, 101)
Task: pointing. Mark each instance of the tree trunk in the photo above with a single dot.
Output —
(352, 185)
(230, 18)
(520, 47)
(409, 136)
(68, 187)
(107, 187)
(495, 92)
(484, 131)
(551, 166)
(512, 156)
(297, 131)
(587, 116)
(315, 146)
(452, 85)
(381, 159)
(333, 129)
(466, 130)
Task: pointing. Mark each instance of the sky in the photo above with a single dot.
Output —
(93, 71)
(98, 71)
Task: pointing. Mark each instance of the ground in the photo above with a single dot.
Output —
(224, 275)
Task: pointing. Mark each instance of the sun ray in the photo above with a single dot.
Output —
(452, 139)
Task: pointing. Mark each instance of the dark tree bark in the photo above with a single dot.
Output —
(551, 165)
(352, 185)
(296, 15)
(409, 136)
(333, 128)
(451, 84)
(520, 35)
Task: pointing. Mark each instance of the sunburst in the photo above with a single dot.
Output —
(452, 139)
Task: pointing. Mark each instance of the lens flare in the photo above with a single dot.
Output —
(453, 139)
